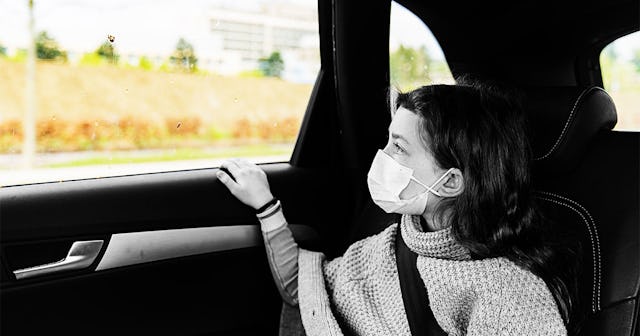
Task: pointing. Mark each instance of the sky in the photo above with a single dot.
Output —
(152, 27)
(142, 26)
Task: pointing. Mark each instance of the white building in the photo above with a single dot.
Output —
(241, 37)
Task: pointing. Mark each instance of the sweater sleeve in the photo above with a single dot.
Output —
(282, 253)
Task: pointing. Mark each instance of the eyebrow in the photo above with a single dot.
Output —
(398, 136)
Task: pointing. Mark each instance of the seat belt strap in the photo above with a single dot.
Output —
(414, 294)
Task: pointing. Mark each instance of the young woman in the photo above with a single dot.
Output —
(456, 167)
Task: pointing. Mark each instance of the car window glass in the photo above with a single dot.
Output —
(620, 64)
(126, 87)
(415, 57)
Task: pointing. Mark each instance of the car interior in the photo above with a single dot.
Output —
(174, 253)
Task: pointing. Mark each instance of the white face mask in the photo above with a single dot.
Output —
(387, 179)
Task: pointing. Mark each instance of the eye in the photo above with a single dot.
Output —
(398, 149)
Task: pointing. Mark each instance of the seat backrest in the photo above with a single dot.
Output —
(587, 181)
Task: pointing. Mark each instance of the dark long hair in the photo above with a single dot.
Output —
(481, 131)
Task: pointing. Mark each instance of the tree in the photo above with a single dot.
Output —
(107, 51)
(410, 66)
(184, 56)
(272, 66)
(48, 49)
(3, 50)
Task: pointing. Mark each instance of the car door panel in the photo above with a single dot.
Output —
(180, 254)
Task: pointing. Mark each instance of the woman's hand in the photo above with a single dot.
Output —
(250, 186)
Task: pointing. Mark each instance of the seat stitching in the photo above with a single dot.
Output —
(566, 124)
(595, 244)
(593, 303)
(597, 236)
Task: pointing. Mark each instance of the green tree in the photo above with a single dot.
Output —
(272, 66)
(410, 66)
(48, 49)
(107, 51)
(184, 56)
(3, 50)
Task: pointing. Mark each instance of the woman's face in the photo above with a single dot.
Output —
(407, 148)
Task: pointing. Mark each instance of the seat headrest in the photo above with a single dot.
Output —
(564, 120)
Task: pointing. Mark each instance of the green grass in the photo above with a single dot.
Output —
(177, 155)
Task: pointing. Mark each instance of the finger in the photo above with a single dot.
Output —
(233, 168)
(226, 180)
(243, 164)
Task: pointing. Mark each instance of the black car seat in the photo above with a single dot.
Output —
(586, 178)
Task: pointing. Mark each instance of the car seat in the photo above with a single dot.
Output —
(586, 177)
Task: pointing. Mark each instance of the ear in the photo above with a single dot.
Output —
(453, 184)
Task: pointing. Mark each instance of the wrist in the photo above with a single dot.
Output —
(266, 205)
(272, 219)
(269, 211)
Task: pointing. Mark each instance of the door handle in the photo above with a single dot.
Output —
(81, 255)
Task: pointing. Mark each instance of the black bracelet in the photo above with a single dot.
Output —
(273, 201)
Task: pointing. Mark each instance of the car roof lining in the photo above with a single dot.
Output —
(515, 41)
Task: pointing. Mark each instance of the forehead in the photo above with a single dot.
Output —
(405, 123)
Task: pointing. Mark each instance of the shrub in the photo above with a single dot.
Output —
(183, 126)
(48, 49)
(243, 129)
(145, 63)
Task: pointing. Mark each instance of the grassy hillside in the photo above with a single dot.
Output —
(109, 107)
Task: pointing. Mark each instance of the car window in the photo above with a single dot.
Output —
(620, 64)
(125, 87)
(415, 56)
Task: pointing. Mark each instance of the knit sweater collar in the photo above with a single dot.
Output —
(438, 244)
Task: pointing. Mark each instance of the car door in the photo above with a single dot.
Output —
(174, 254)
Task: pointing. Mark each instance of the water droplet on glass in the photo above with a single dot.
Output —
(93, 136)
(235, 100)
(179, 124)
(53, 118)
(216, 24)
(126, 90)
(111, 38)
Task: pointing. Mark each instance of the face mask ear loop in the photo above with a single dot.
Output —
(430, 188)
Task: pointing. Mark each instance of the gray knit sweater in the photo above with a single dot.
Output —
(468, 297)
